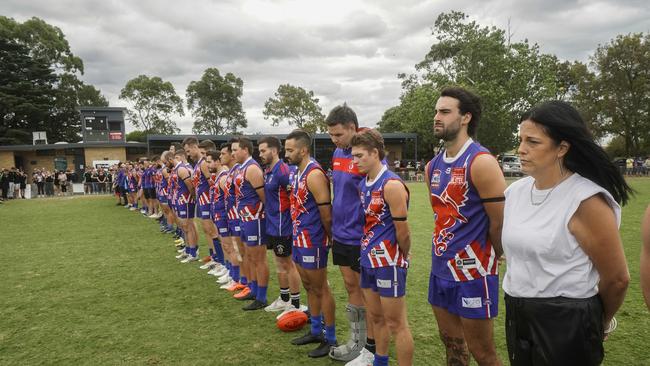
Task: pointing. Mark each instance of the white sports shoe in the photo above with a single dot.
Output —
(183, 255)
(190, 258)
(153, 216)
(211, 264)
(365, 358)
(224, 279)
(227, 284)
(132, 208)
(279, 305)
(182, 250)
(220, 272)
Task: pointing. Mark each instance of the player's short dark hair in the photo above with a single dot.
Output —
(226, 145)
(244, 143)
(369, 139)
(191, 140)
(207, 145)
(270, 141)
(215, 155)
(180, 152)
(342, 114)
(176, 145)
(468, 102)
(302, 137)
(155, 158)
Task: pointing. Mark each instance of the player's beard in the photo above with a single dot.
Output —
(296, 161)
(448, 133)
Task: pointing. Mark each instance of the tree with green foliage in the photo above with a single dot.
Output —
(55, 101)
(621, 92)
(26, 93)
(509, 78)
(215, 103)
(137, 135)
(154, 103)
(297, 106)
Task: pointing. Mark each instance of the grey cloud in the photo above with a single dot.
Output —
(353, 55)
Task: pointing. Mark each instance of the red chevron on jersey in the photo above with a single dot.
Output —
(303, 240)
(251, 213)
(473, 262)
(385, 254)
(204, 198)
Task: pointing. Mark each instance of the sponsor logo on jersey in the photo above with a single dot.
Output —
(472, 302)
(252, 238)
(384, 283)
(435, 179)
(308, 259)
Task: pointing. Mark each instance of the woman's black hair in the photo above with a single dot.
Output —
(562, 122)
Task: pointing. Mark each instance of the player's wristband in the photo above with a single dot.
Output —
(256, 188)
(399, 218)
(324, 204)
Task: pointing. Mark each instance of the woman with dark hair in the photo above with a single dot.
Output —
(566, 275)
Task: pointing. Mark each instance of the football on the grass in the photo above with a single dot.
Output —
(292, 321)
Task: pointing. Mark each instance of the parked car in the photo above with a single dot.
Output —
(510, 165)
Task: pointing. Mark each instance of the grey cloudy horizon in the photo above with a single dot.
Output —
(345, 51)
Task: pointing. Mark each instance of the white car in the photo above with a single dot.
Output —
(511, 166)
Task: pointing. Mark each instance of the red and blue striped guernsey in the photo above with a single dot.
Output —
(461, 249)
(247, 201)
(379, 243)
(229, 193)
(217, 197)
(276, 191)
(201, 184)
(308, 230)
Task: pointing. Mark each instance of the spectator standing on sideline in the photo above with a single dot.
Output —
(39, 179)
(87, 184)
(63, 183)
(94, 181)
(4, 183)
(49, 183)
(102, 180)
(22, 183)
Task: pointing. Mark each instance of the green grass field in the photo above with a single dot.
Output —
(86, 282)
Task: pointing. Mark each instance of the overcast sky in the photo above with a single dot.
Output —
(343, 50)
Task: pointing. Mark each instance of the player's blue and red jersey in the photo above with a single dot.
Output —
(247, 201)
(217, 197)
(379, 243)
(138, 176)
(347, 212)
(461, 249)
(229, 193)
(119, 179)
(132, 181)
(308, 230)
(201, 184)
(184, 195)
(147, 177)
(173, 184)
(278, 205)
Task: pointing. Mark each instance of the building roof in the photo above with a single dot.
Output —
(318, 136)
(70, 146)
(102, 109)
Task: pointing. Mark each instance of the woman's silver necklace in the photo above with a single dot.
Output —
(532, 202)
